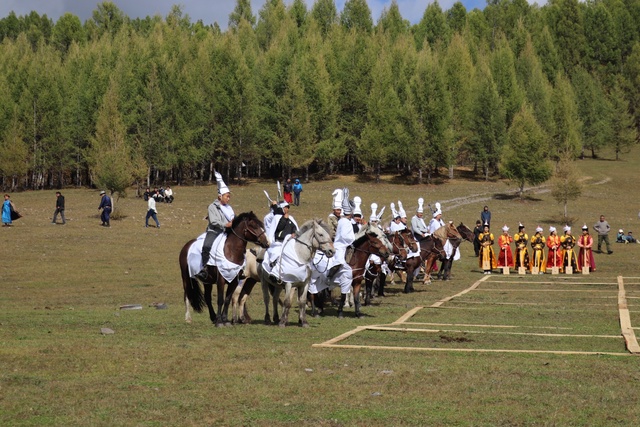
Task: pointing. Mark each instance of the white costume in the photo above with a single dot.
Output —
(276, 247)
(418, 225)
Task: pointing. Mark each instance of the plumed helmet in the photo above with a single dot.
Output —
(538, 229)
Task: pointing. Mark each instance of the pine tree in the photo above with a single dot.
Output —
(566, 185)
(623, 129)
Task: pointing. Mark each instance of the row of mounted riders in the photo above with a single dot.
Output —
(312, 236)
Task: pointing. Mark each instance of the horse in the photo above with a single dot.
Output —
(245, 228)
(447, 262)
(440, 237)
(409, 265)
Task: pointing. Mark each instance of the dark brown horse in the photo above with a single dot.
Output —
(441, 235)
(364, 246)
(409, 265)
(465, 234)
(245, 228)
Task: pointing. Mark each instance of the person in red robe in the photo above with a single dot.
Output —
(505, 257)
(585, 257)
(555, 250)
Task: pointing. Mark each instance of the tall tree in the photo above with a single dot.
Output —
(594, 111)
(566, 185)
(325, 13)
(525, 136)
(624, 132)
(566, 140)
(356, 15)
(432, 27)
(240, 12)
(504, 75)
(392, 22)
(567, 25)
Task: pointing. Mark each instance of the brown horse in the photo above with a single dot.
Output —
(466, 234)
(364, 246)
(245, 228)
(441, 236)
(409, 265)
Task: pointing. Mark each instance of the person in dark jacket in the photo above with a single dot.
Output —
(485, 216)
(105, 205)
(59, 208)
(297, 189)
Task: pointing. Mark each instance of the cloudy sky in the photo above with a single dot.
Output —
(208, 10)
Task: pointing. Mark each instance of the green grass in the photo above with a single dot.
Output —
(59, 285)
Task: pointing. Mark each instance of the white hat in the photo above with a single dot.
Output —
(505, 228)
(584, 227)
(420, 205)
(222, 187)
(394, 212)
(539, 229)
(621, 231)
(552, 229)
(283, 205)
(337, 198)
(401, 211)
(357, 201)
(566, 228)
(374, 209)
(520, 226)
(438, 206)
(347, 205)
(103, 192)
(437, 212)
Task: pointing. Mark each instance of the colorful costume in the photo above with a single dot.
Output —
(569, 258)
(555, 251)
(522, 255)
(486, 251)
(585, 257)
(537, 245)
(505, 257)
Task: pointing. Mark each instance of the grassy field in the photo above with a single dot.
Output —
(59, 285)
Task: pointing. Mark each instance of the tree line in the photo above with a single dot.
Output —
(510, 90)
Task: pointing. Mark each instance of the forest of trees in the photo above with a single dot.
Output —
(299, 90)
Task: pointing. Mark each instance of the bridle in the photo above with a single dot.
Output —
(249, 230)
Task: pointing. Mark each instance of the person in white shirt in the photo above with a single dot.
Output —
(151, 212)
(418, 226)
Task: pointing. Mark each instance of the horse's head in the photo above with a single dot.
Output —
(465, 232)
(250, 228)
(376, 246)
(379, 234)
(409, 240)
(322, 238)
(399, 246)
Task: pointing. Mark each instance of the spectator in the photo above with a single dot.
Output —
(297, 189)
(603, 227)
(287, 188)
(105, 205)
(59, 208)
(147, 194)
(7, 208)
(157, 196)
(621, 238)
(485, 216)
(168, 194)
(152, 212)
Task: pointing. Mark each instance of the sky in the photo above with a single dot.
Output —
(209, 11)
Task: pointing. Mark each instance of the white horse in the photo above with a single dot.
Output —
(292, 269)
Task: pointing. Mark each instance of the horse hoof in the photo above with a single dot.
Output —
(219, 325)
(282, 325)
(340, 315)
(304, 324)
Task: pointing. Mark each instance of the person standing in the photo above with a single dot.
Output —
(220, 216)
(505, 257)
(297, 189)
(487, 258)
(567, 241)
(485, 216)
(59, 208)
(585, 257)
(555, 250)
(538, 242)
(418, 226)
(152, 212)
(603, 228)
(476, 232)
(287, 188)
(106, 206)
(7, 207)
(522, 255)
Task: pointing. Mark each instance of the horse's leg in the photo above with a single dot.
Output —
(368, 289)
(302, 304)
(249, 283)
(288, 296)
(208, 288)
(231, 288)
(408, 287)
(276, 290)
(356, 298)
(266, 297)
(220, 286)
(235, 303)
(343, 299)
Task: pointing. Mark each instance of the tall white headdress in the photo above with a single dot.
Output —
(337, 198)
(394, 212)
(374, 209)
(401, 211)
(222, 187)
(420, 205)
(357, 201)
(347, 205)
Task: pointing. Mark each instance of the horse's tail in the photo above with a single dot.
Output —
(192, 290)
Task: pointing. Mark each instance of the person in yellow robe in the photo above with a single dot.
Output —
(537, 245)
(487, 257)
(521, 239)
(569, 257)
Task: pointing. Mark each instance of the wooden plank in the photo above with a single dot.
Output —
(345, 335)
(625, 320)
(469, 350)
(533, 334)
(469, 289)
(485, 326)
(407, 315)
(544, 290)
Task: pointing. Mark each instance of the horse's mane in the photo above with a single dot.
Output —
(446, 232)
(248, 216)
(362, 238)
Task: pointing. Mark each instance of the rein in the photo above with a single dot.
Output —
(247, 229)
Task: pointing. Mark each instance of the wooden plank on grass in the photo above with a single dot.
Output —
(407, 315)
(533, 334)
(469, 289)
(625, 320)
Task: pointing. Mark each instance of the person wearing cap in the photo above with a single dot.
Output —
(335, 215)
(521, 239)
(436, 222)
(585, 257)
(603, 228)
(396, 220)
(340, 273)
(554, 259)
(106, 206)
(297, 189)
(567, 241)
(538, 242)
(505, 257)
(357, 222)
(59, 208)
(486, 249)
(418, 226)
(220, 216)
